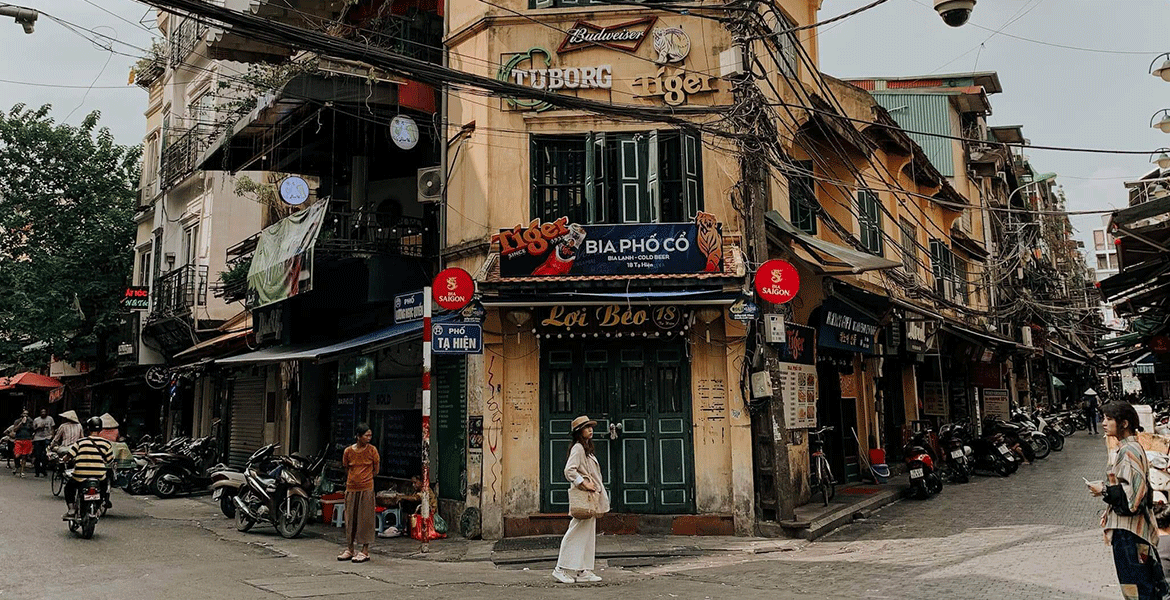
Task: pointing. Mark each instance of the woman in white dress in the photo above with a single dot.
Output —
(578, 547)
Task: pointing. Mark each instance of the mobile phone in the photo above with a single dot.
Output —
(1087, 482)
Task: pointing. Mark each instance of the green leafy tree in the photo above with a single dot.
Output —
(67, 202)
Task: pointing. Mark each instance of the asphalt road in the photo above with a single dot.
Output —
(1030, 535)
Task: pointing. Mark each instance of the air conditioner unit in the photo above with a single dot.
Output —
(1026, 335)
(430, 185)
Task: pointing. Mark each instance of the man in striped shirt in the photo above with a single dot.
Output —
(90, 456)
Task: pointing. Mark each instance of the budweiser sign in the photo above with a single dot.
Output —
(625, 37)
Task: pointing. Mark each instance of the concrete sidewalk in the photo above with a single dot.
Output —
(851, 502)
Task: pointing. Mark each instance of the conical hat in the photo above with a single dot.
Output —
(108, 421)
(70, 416)
(1090, 392)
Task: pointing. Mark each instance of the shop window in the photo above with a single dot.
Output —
(802, 200)
(869, 219)
(646, 177)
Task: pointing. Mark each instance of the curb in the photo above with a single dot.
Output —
(811, 530)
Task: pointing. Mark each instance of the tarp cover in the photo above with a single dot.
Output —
(282, 266)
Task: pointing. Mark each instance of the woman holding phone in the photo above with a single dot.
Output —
(1128, 520)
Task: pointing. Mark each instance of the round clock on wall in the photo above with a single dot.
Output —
(294, 190)
(404, 132)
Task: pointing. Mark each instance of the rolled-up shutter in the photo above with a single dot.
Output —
(247, 419)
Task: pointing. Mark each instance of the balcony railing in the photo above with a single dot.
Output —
(359, 232)
(181, 156)
(179, 290)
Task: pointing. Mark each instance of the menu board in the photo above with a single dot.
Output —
(798, 386)
(347, 412)
(997, 403)
(934, 398)
(398, 436)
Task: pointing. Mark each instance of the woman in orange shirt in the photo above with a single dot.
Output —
(361, 462)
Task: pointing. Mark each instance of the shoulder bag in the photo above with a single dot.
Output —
(583, 504)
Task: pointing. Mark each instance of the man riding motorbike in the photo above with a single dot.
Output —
(90, 456)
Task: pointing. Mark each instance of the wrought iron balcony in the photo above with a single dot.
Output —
(176, 292)
(181, 156)
(359, 232)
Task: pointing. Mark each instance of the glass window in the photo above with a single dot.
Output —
(909, 246)
(190, 244)
(201, 110)
(789, 56)
(1099, 239)
(1112, 261)
(869, 219)
(1102, 263)
(144, 265)
(645, 177)
(961, 282)
(942, 267)
(802, 200)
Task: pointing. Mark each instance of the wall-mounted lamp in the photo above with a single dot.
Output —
(1164, 122)
(518, 317)
(707, 316)
(170, 258)
(1163, 71)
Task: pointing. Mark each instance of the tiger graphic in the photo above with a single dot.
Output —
(672, 45)
(709, 241)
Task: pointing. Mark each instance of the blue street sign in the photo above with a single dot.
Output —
(456, 338)
(408, 307)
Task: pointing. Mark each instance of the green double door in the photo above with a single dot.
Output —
(639, 394)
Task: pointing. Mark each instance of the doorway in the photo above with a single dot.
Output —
(639, 394)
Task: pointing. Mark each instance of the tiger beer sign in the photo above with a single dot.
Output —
(777, 281)
(562, 248)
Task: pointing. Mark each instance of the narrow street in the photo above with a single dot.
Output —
(1032, 535)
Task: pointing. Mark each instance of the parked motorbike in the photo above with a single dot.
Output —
(1017, 438)
(1159, 475)
(956, 453)
(226, 483)
(179, 471)
(925, 480)
(990, 451)
(280, 497)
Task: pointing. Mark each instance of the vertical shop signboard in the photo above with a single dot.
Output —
(934, 398)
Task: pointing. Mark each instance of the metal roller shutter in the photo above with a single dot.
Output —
(247, 420)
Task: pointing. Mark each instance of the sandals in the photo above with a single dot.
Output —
(360, 557)
(348, 554)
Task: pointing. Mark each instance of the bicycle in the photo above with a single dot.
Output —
(820, 476)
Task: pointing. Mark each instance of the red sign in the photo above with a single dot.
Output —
(777, 282)
(453, 288)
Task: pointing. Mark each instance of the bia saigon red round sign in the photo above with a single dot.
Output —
(453, 288)
(777, 282)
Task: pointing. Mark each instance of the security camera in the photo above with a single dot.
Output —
(954, 12)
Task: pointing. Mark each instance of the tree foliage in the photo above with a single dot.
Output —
(67, 202)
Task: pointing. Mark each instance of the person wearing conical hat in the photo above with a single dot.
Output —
(1091, 406)
(69, 431)
(109, 427)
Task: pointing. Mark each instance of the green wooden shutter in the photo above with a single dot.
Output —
(653, 189)
(632, 159)
(692, 174)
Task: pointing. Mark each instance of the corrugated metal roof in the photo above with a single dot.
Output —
(929, 113)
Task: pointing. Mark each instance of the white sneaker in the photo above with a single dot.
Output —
(587, 576)
(562, 576)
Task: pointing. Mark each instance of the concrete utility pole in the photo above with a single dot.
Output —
(26, 17)
(752, 121)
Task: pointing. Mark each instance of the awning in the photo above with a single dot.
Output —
(588, 298)
(1132, 279)
(1141, 212)
(826, 257)
(957, 327)
(324, 351)
(227, 337)
(282, 265)
(29, 380)
(1144, 365)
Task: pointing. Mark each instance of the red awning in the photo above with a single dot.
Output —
(31, 380)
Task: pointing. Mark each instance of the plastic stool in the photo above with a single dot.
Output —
(397, 513)
(339, 515)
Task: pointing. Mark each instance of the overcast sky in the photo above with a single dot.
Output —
(1062, 96)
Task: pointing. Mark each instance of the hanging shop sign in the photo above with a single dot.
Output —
(612, 321)
(798, 344)
(456, 338)
(674, 86)
(623, 37)
(562, 248)
(743, 309)
(137, 297)
(268, 323)
(934, 398)
(294, 190)
(915, 327)
(408, 307)
(404, 132)
(671, 45)
(453, 288)
(474, 312)
(777, 281)
(996, 404)
(845, 328)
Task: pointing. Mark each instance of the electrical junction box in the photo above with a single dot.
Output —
(761, 385)
(774, 332)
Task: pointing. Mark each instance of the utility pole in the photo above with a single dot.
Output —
(752, 121)
(25, 17)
